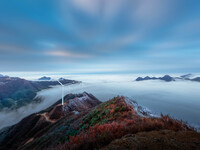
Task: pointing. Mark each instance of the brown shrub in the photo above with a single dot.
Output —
(101, 135)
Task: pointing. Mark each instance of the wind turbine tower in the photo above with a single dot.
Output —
(62, 92)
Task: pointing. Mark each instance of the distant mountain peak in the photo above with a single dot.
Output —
(60, 79)
(3, 76)
(45, 78)
(187, 75)
(166, 78)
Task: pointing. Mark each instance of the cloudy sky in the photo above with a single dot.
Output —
(92, 36)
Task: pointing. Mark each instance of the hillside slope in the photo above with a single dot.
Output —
(86, 123)
(16, 92)
(38, 124)
(157, 140)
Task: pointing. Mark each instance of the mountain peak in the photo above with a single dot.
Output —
(45, 78)
(166, 78)
(86, 123)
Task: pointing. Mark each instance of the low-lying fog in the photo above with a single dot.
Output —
(180, 99)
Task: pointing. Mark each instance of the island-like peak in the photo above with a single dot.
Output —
(166, 78)
(44, 78)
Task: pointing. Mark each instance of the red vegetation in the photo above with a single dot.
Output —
(96, 128)
(101, 135)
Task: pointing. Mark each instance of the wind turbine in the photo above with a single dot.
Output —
(62, 92)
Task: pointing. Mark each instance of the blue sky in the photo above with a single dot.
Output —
(99, 36)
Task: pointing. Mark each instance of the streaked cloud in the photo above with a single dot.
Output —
(73, 34)
(67, 54)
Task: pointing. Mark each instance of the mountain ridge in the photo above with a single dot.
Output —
(168, 78)
(87, 123)
(16, 92)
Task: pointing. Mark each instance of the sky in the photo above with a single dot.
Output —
(100, 36)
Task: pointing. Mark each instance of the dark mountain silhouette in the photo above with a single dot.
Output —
(196, 79)
(186, 75)
(3, 75)
(166, 78)
(45, 78)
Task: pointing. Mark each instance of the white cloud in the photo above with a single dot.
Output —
(13, 48)
(95, 7)
(64, 53)
(150, 13)
(186, 30)
(142, 10)
(89, 6)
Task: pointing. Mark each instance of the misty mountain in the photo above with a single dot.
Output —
(186, 75)
(3, 76)
(86, 123)
(166, 78)
(45, 78)
(16, 92)
(196, 79)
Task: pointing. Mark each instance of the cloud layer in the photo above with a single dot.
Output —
(73, 35)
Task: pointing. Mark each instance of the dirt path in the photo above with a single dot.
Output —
(47, 118)
(30, 140)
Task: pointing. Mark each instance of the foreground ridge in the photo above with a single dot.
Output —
(86, 123)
